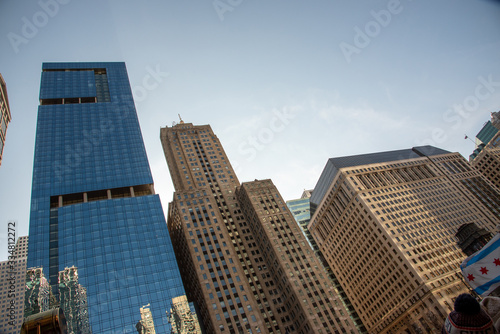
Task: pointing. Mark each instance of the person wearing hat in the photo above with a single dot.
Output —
(468, 318)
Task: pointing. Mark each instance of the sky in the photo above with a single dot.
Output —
(285, 85)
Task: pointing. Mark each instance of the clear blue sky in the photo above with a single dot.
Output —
(284, 84)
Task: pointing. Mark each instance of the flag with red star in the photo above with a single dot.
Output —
(482, 269)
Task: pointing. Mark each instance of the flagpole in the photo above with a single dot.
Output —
(467, 137)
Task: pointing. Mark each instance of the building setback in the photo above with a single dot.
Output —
(230, 250)
(5, 116)
(386, 224)
(94, 214)
(12, 286)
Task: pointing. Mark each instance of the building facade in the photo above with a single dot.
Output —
(5, 116)
(93, 205)
(486, 156)
(12, 286)
(301, 211)
(471, 238)
(228, 249)
(386, 224)
(487, 160)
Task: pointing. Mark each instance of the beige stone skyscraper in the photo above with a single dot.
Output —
(386, 224)
(243, 259)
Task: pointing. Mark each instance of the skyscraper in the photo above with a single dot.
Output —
(301, 210)
(4, 114)
(12, 286)
(93, 206)
(243, 259)
(486, 156)
(386, 224)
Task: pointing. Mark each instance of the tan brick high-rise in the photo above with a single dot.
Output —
(242, 257)
(386, 223)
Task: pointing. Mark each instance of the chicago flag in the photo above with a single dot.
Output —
(482, 269)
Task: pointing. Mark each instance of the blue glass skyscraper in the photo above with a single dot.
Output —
(93, 205)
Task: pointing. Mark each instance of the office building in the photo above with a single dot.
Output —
(472, 238)
(302, 283)
(386, 224)
(486, 156)
(12, 283)
(301, 211)
(243, 259)
(93, 206)
(483, 137)
(5, 116)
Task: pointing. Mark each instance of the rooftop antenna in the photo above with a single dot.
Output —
(182, 122)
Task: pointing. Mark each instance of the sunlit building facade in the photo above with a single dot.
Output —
(93, 205)
(5, 116)
(486, 156)
(386, 224)
(229, 250)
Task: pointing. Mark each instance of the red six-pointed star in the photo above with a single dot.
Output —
(497, 262)
(470, 277)
(484, 270)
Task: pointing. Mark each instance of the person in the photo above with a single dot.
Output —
(491, 304)
(468, 317)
